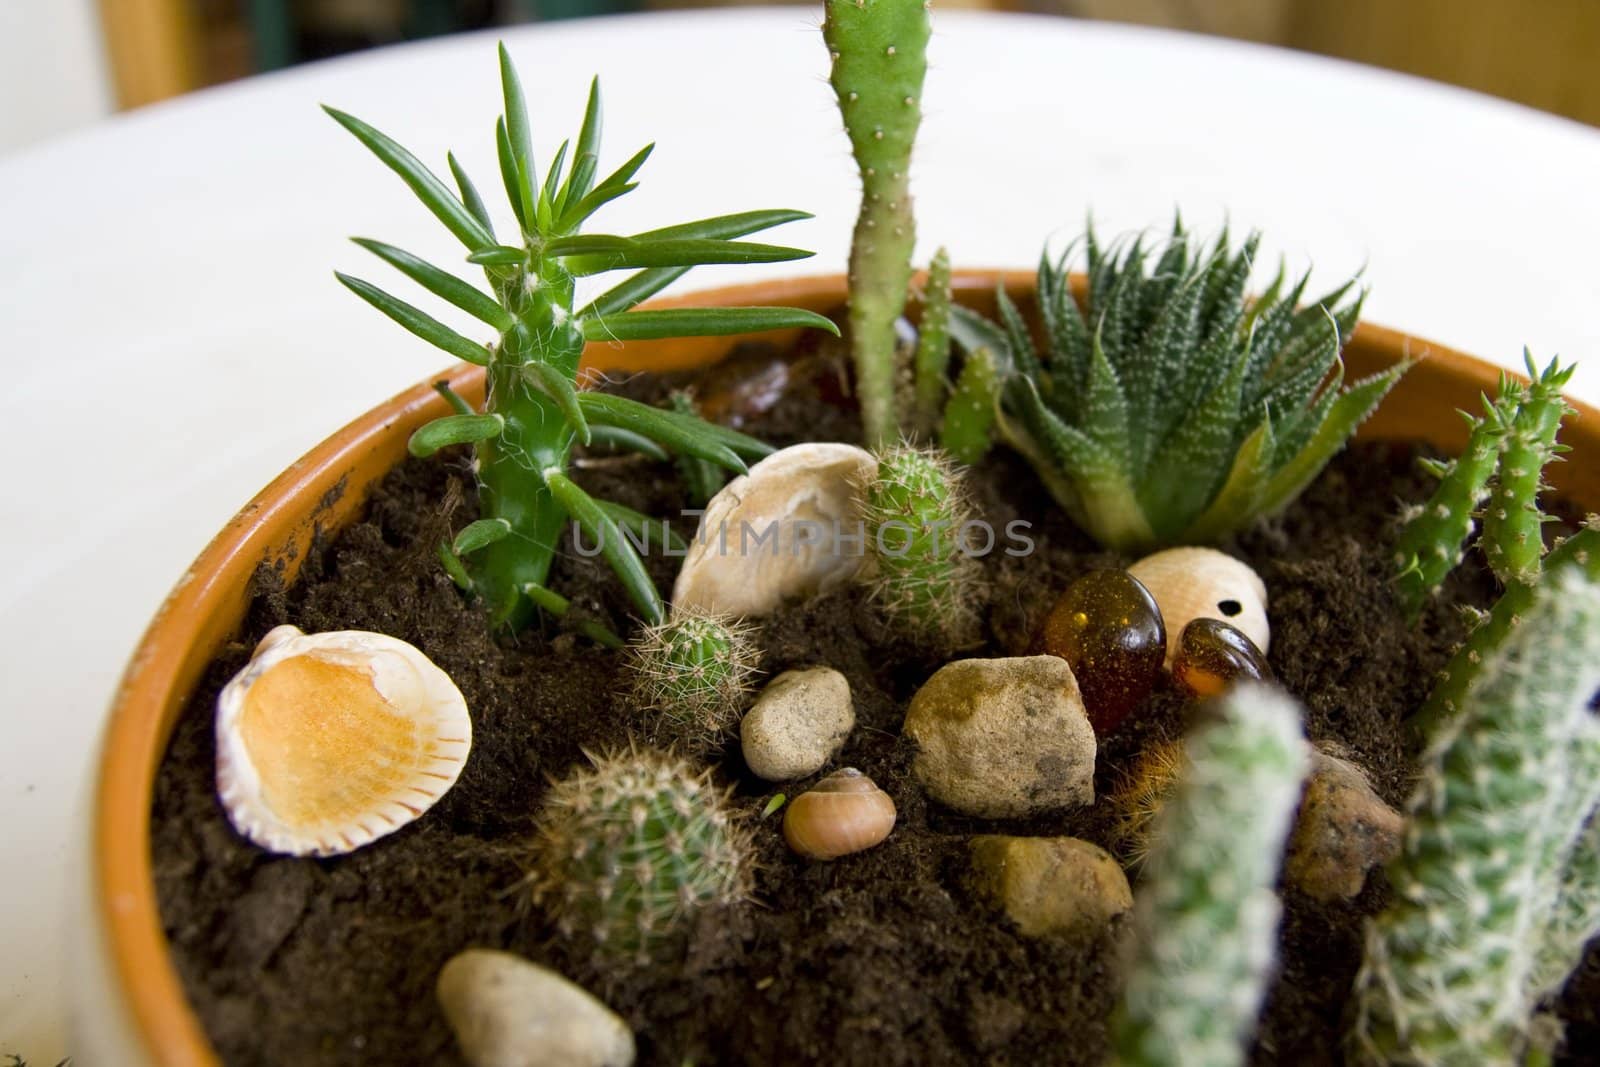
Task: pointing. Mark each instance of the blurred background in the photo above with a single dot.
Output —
(66, 63)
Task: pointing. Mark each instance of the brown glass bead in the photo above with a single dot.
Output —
(1108, 628)
(1212, 655)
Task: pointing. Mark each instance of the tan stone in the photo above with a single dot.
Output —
(1003, 738)
(798, 723)
(1344, 829)
(1050, 885)
(510, 1012)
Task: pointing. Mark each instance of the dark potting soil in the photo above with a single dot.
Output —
(884, 958)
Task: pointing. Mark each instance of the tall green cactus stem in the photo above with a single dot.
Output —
(692, 673)
(1576, 916)
(933, 345)
(1206, 917)
(629, 849)
(969, 415)
(1512, 520)
(534, 412)
(1582, 549)
(1433, 539)
(915, 511)
(879, 53)
(1446, 974)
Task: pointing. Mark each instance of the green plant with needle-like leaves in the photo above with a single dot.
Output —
(534, 412)
(1173, 409)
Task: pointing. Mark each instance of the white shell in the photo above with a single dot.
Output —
(326, 742)
(1202, 583)
(730, 569)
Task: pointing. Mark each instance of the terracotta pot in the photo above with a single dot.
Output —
(131, 1007)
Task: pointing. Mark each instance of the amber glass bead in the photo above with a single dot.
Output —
(1108, 628)
(1212, 655)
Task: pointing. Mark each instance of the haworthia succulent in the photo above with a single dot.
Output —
(1172, 409)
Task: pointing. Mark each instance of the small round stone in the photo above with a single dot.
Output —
(798, 723)
(510, 1012)
(1109, 630)
(1051, 885)
(1212, 655)
(1003, 738)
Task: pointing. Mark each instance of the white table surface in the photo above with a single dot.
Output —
(173, 336)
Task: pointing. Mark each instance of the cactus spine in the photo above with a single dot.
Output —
(1206, 917)
(1448, 965)
(915, 511)
(879, 53)
(933, 345)
(693, 672)
(631, 847)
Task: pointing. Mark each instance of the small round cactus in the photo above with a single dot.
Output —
(917, 526)
(628, 849)
(692, 673)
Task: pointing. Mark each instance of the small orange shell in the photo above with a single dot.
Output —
(328, 741)
(845, 812)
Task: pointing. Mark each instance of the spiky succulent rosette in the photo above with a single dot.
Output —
(534, 412)
(1173, 409)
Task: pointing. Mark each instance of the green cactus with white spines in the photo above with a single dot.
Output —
(628, 849)
(692, 673)
(914, 508)
(1512, 520)
(1433, 540)
(1205, 915)
(1449, 691)
(1575, 919)
(879, 58)
(534, 412)
(1450, 965)
(1174, 410)
(1501, 472)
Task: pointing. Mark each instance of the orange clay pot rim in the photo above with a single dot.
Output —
(123, 888)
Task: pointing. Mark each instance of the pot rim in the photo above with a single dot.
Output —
(205, 606)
